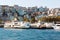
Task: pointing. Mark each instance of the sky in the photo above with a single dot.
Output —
(32, 3)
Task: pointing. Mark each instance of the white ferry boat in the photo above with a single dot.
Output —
(16, 25)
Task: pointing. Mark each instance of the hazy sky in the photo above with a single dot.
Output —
(31, 3)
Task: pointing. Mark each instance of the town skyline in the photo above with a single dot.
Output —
(32, 3)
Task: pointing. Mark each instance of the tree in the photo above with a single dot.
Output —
(26, 19)
(50, 18)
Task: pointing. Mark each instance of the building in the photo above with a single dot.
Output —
(41, 9)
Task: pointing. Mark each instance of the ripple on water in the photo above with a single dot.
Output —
(29, 34)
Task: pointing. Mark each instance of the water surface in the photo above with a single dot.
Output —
(29, 34)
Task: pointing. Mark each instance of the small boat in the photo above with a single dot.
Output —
(56, 26)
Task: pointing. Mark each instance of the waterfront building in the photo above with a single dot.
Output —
(58, 14)
(41, 9)
(21, 12)
(34, 9)
(57, 11)
(5, 7)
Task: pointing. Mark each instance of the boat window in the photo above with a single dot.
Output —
(58, 25)
(16, 23)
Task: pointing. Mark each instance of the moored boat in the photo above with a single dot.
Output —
(16, 24)
(56, 26)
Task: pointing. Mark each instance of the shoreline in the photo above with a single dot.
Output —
(29, 28)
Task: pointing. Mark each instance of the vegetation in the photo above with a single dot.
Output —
(0, 20)
(26, 19)
(50, 18)
(32, 20)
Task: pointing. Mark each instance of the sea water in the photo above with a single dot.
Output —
(29, 34)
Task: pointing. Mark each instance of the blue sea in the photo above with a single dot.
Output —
(29, 34)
